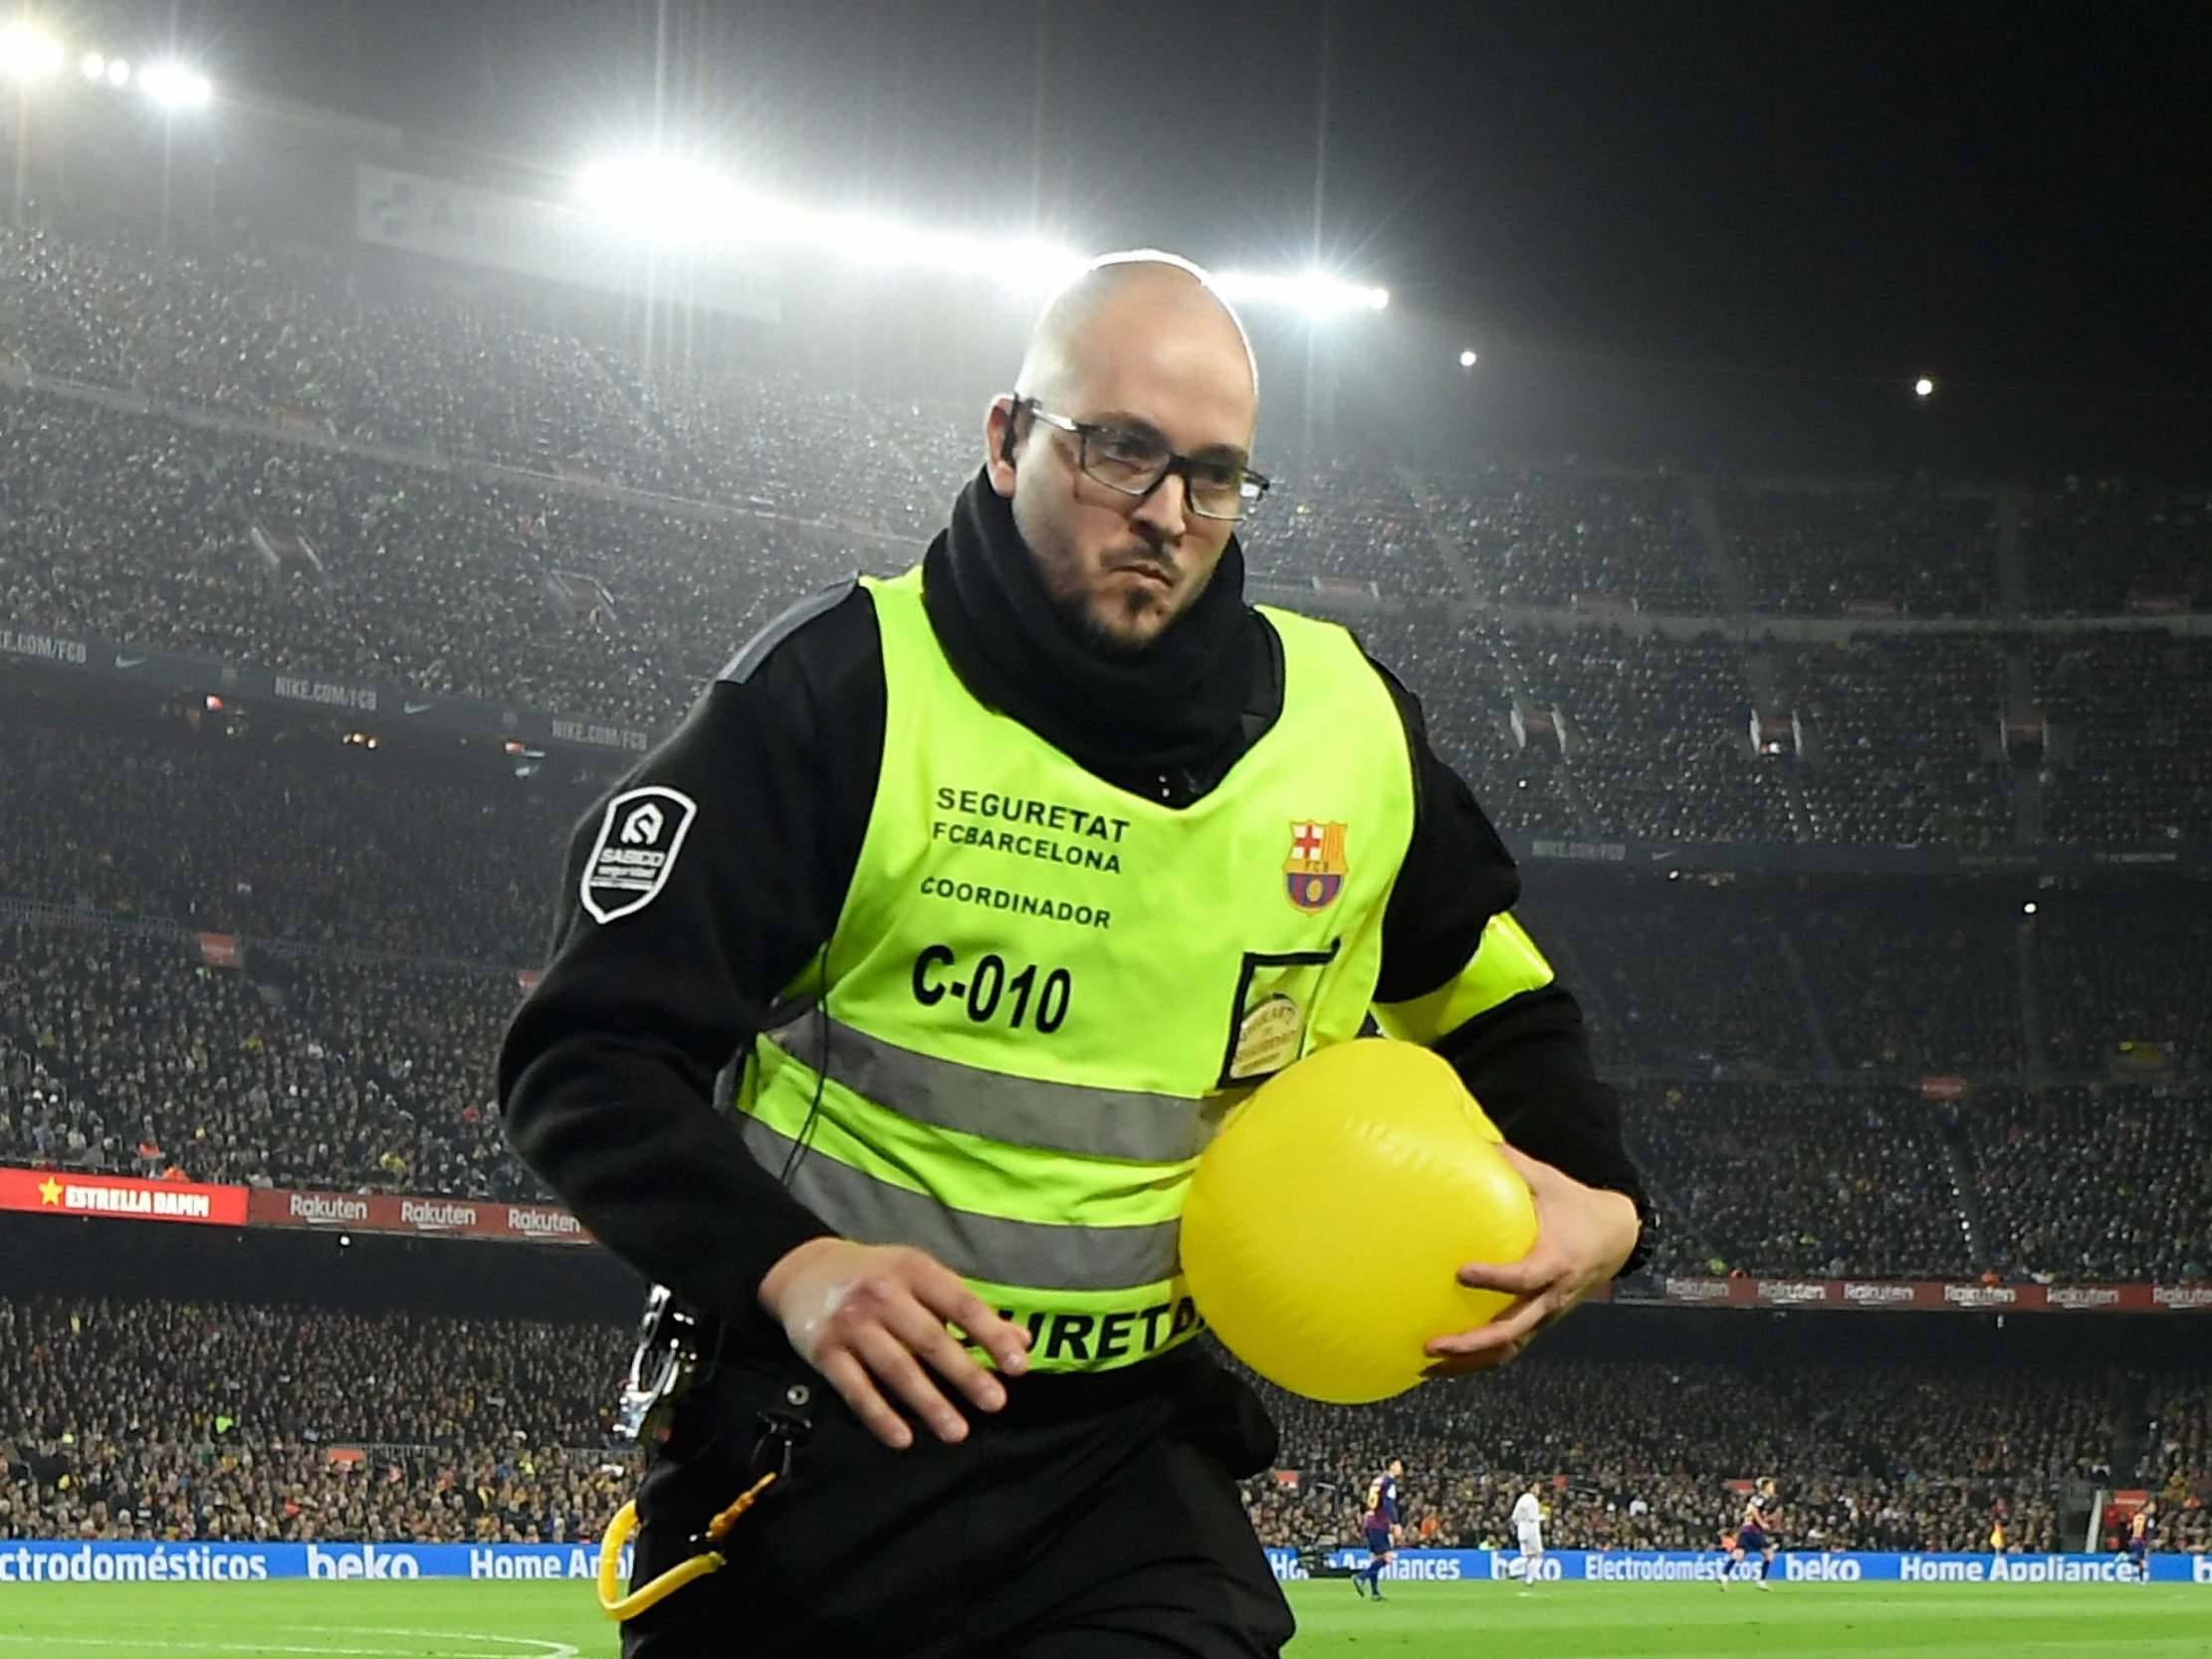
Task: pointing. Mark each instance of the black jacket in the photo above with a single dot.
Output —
(607, 1074)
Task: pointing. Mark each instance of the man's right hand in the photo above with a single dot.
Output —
(866, 1316)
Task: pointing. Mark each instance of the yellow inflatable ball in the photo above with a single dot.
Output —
(1326, 1223)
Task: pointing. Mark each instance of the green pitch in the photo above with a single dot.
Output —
(449, 1620)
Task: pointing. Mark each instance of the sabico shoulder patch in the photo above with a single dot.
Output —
(638, 841)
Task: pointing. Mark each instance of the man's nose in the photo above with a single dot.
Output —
(1166, 510)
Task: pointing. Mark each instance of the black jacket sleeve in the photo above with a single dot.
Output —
(1527, 1060)
(607, 1074)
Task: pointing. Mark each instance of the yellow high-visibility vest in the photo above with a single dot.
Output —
(1043, 992)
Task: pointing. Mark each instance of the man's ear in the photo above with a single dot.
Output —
(998, 444)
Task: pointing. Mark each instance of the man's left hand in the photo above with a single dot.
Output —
(1583, 1236)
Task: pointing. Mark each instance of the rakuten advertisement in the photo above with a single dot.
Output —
(394, 1213)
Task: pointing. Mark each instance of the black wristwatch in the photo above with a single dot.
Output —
(1647, 1235)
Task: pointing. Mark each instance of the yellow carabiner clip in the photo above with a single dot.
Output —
(622, 1608)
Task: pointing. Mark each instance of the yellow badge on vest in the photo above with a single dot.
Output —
(1267, 1039)
(1313, 875)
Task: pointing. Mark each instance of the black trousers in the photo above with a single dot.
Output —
(1094, 1518)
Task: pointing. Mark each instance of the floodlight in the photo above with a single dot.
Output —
(1315, 293)
(27, 51)
(175, 87)
(670, 200)
(659, 198)
(1923, 387)
(1028, 263)
(1021, 263)
(1466, 360)
(118, 72)
(94, 66)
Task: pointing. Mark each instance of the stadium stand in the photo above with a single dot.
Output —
(2120, 978)
(1728, 996)
(1466, 695)
(2135, 708)
(131, 1055)
(1903, 723)
(1826, 551)
(1553, 537)
(200, 316)
(1889, 1454)
(313, 843)
(176, 536)
(2125, 1198)
(254, 539)
(1350, 522)
(2101, 547)
(186, 1420)
(1658, 734)
(1883, 976)
(123, 1418)
(2178, 1456)
(1846, 1179)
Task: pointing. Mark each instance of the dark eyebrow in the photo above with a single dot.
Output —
(1122, 420)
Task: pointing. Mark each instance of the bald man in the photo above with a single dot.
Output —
(894, 996)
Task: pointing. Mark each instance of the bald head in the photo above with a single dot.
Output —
(1144, 293)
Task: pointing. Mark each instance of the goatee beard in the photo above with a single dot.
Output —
(1075, 614)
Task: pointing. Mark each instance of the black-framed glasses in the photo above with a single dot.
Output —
(1138, 463)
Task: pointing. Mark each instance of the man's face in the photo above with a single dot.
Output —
(1122, 569)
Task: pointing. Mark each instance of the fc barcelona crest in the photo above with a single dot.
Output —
(1313, 875)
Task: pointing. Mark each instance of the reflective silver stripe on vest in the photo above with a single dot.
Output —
(1019, 1111)
(1035, 1254)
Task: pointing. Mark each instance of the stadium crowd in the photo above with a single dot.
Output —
(133, 1054)
(1468, 695)
(1728, 996)
(1910, 552)
(1798, 1178)
(453, 581)
(1641, 1454)
(2179, 1455)
(2102, 547)
(1349, 521)
(316, 1064)
(1554, 538)
(551, 591)
(307, 840)
(2117, 977)
(202, 1420)
(1882, 965)
(184, 537)
(206, 315)
(2135, 708)
(1903, 724)
(1657, 734)
(261, 457)
(184, 1420)
(2127, 1200)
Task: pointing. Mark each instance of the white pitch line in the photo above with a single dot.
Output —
(542, 1648)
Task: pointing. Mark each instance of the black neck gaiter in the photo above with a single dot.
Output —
(1172, 705)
